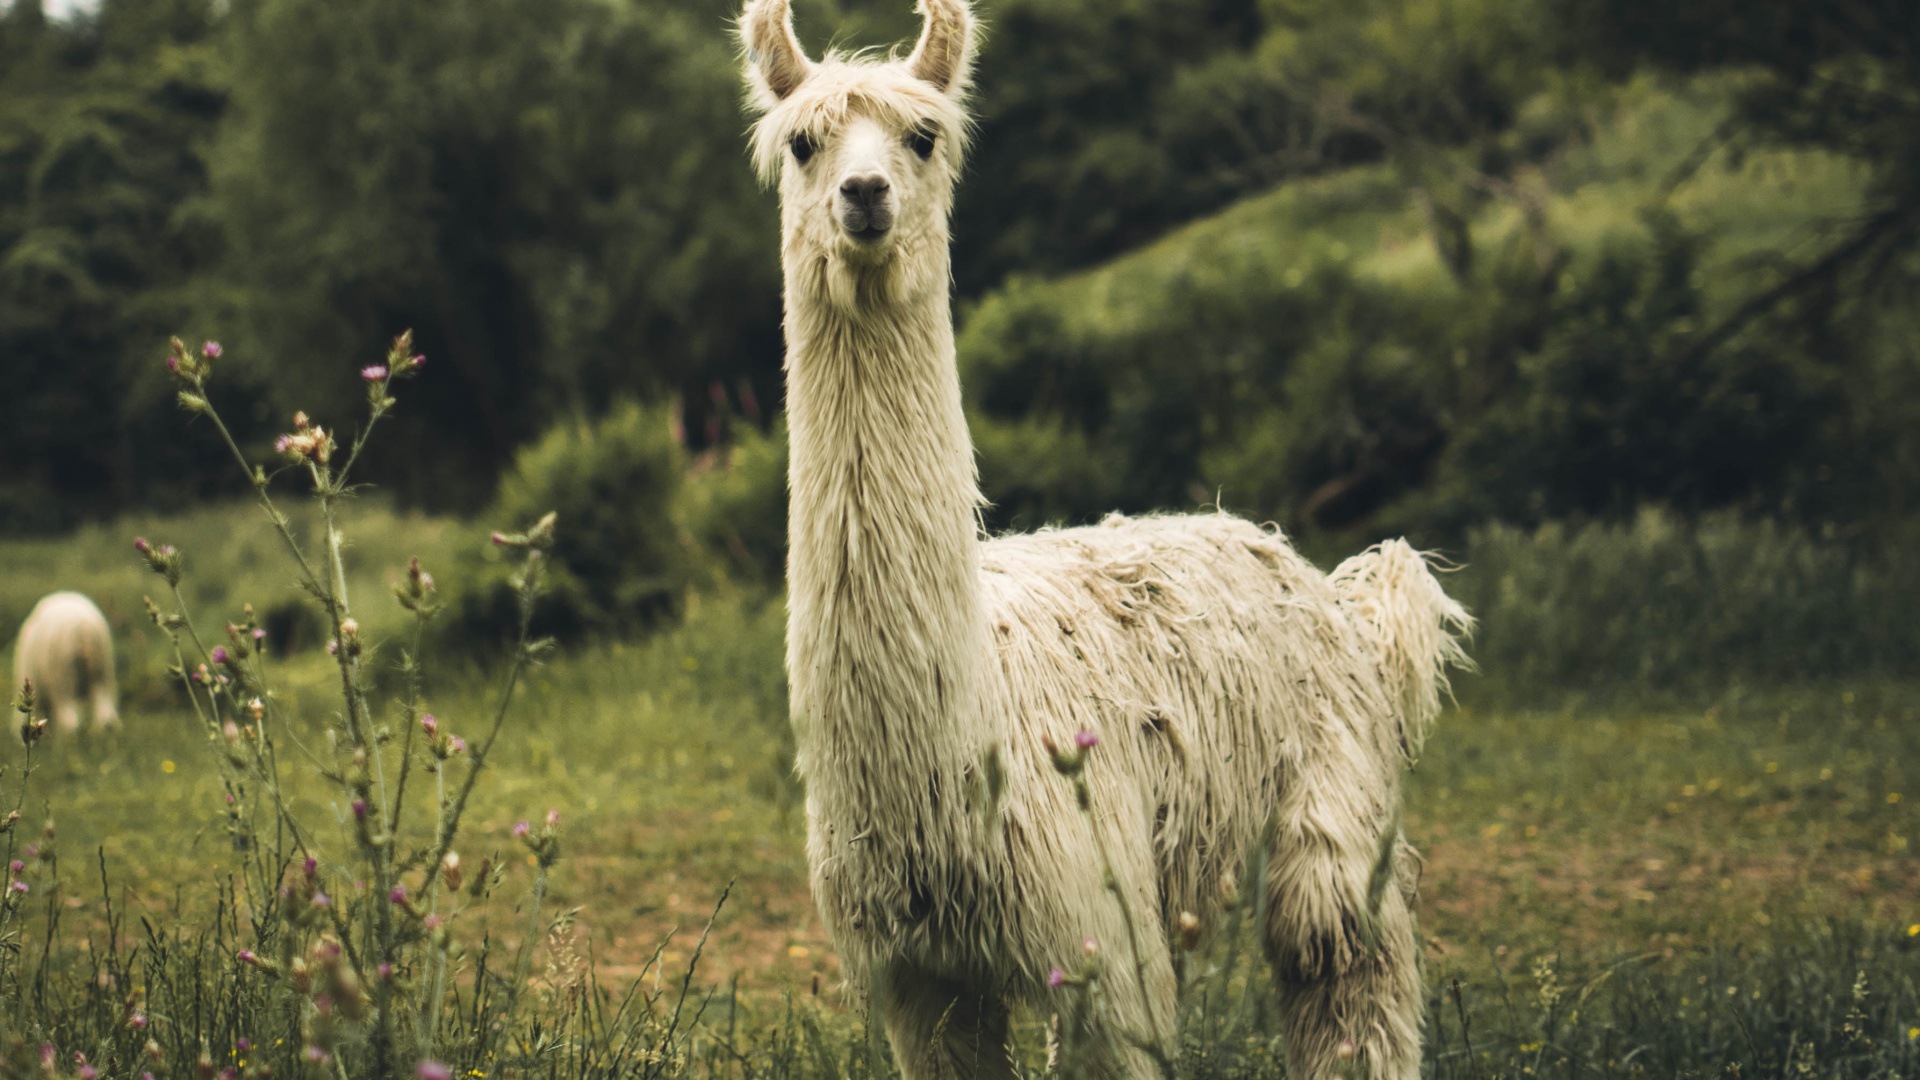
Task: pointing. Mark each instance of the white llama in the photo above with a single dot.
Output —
(66, 649)
(1229, 682)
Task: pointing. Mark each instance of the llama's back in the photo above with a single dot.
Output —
(66, 649)
(1211, 659)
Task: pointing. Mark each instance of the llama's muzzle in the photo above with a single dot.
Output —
(866, 206)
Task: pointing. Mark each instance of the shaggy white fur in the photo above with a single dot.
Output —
(67, 650)
(1231, 684)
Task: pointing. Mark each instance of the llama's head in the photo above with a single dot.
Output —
(864, 150)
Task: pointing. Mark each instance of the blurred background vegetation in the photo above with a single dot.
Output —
(1610, 300)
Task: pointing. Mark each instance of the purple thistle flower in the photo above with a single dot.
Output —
(173, 363)
(219, 654)
(88, 1072)
(312, 864)
(398, 895)
(418, 360)
(374, 372)
(19, 887)
(17, 865)
(553, 818)
(243, 1045)
(429, 724)
(315, 1054)
(321, 900)
(385, 970)
(455, 744)
(521, 829)
(1086, 740)
(140, 545)
(137, 1021)
(258, 633)
(1056, 979)
(433, 1070)
(211, 350)
(359, 809)
(282, 444)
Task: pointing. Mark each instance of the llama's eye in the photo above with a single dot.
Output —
(920, 140)
(802, 147)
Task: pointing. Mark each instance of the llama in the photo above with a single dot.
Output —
(66, 650)
(1236, 691)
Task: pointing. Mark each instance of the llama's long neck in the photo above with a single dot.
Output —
(885, 636)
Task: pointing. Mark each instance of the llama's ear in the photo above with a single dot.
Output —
(945, 52)
(775, 64)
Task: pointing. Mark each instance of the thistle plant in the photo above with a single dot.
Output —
(14, 886)
(1089, 1015)
(361, 942)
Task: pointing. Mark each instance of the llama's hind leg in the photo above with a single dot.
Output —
(1356, 981)
(943, 1028)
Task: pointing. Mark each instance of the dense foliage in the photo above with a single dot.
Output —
(1400, 265)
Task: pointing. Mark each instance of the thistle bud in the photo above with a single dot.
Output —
(1069, 763)
(450, 871)
(1189, 931)
(541, 535)
(481, 879)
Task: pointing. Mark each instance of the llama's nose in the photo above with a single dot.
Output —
(864, 191)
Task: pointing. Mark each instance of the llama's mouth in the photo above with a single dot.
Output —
(866, 225)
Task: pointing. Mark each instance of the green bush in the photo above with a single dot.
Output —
(621, 564)
(1666, 606)
(735, 507)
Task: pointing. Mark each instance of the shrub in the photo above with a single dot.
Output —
(736, 508)
(620, 561)
(1665, 604)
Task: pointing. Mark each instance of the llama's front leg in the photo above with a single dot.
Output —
(943, 1028)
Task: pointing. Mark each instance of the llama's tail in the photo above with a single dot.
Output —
(1390, 592)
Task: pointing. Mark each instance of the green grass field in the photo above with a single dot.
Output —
(1709, 857)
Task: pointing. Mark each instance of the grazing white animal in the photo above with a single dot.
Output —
(66, 649)
(1230, 683)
